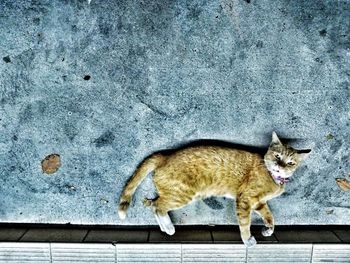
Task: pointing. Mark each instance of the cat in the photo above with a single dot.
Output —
(199, 172)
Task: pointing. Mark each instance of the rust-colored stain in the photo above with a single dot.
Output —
(51, 163)
(343, 184)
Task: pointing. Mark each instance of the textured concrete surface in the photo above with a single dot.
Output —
(107, 83)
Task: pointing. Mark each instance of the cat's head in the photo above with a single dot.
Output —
(282, 160)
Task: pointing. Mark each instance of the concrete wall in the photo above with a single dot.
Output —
(107, 83)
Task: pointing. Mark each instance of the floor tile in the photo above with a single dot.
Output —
(306, 236)
(181, 236)
(74, 252)
(331, 253)
(344, 235)
(117, 236)
(25, 252)
(11, 234)
(277, 253)
(210, 253)
(54, 235)
(149, 253)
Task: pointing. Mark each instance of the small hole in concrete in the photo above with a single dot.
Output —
(87, 77)
(323, 32)
(7, 59)
(36, 20)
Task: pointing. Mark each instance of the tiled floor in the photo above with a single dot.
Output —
(184, 234)
(47, 243)
(151, 253)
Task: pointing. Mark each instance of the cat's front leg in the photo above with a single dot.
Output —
(264, 211)
(243, 209)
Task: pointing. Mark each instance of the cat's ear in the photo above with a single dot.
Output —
(275, 139)
(304, 153)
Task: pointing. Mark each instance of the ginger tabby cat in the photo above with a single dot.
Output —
(199, 172)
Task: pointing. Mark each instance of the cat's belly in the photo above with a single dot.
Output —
(229, 196)
(206, 194)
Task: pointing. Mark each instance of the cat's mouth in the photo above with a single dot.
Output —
(278, 174)
(279, 177)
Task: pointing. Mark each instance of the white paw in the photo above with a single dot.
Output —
(162, 228)
(122, 214)
(250, 242)
(170, 230)
(267, 231)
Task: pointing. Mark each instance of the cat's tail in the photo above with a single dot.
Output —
(147, 166)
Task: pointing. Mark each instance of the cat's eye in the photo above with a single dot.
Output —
(291, 163)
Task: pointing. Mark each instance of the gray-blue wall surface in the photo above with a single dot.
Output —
(106, 83)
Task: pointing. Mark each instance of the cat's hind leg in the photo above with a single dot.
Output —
(165, 223)
(167, 202)
(162, 218)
